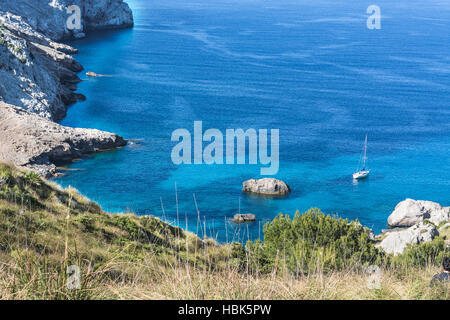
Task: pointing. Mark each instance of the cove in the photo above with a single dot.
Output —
(316, 73)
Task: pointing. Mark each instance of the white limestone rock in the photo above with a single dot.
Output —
(396, 241)
(37, 74)
(267, 186)
(33, 142)
(49, 17)
(410, 212)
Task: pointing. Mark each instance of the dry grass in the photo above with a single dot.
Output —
(156, 282)
(44, 229)
(151, 279)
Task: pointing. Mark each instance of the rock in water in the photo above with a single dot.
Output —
(268, 186)
(396, 241)
(79, 35)
(92, 74)
(410, 212)
(241, 217)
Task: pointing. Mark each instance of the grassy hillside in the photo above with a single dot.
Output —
(44, 229)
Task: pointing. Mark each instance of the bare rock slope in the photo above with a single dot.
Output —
(38, 80)
(414, 222)
(36, 73)
(30, 141)
(49, 17)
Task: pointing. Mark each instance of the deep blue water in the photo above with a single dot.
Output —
(309, 68)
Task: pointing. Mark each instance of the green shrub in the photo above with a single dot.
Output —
(126, 224)
(313, 241)
(32, 178)
(422, 255)
(87, 221)
(6, 174)
(7, 211)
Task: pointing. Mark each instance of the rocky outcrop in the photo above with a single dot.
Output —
(38, 80)
(413, 222)
(50, 17)
(244, 217)
(93, 74)
(396, 241)
(30, 141)
(37, 74)
(410, 212)
(266, 186)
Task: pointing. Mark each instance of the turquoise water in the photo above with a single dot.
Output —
(309, 68)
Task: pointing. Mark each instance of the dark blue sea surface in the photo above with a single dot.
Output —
(311, 69)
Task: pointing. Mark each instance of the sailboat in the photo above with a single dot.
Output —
(362, 172)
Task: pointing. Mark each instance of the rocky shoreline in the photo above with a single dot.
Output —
(39, 79)
(411, 222)
(414, 222)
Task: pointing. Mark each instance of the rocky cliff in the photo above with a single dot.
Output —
(28, 140)
(38, 80)
(37, 74)
(50, 17)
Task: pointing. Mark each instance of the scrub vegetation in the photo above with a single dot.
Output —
(44, 229)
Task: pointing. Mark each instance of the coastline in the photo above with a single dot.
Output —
(46, 143)
(40, 81)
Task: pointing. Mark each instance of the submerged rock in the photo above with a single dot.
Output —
(244, 217)
(79, 35)
(414, 222)
(267, 186)
(410, 212)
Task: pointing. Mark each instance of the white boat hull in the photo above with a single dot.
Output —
(361, 175)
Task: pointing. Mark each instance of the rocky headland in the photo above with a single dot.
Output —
(28, 140)
(38, 80)
(414, 222)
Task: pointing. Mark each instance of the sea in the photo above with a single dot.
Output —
(313, 69)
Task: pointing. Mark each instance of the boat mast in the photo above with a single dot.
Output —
(365, 154)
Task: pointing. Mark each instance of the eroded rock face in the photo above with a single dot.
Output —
(49, 17)
(30, 141)
(36, 74)
(415, 222)
(410, 212)
(396, 241)
(267, 186)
